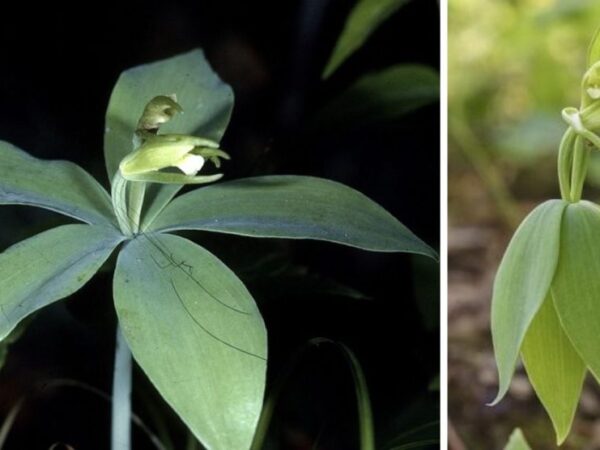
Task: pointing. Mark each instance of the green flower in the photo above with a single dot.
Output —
(158, 152)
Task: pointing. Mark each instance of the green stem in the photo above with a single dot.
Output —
(119, 201)
(565, 160)
(136, 193)
(581, 156)
(121, 405)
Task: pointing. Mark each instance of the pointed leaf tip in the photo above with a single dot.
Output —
(554, 368)
(522, 283)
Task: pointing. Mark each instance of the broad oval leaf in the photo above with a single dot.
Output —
(576, 286)
(48, 267)
(207, 103)
(60, 186)
(291, 207)
(363, 20)
(196, 332)
(554, 368)
(522, 283)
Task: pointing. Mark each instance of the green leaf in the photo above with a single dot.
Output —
(554, 368)
(60, 186)
(593, 55)
(207, 103)
(576, 286)
(517, 441)
(382, 96)
(363, 20)
(197, 333)
(291, 207)
(522, 283)
(48, 267)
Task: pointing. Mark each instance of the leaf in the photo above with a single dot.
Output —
(554, 368)
(522, 283)
(363, 20)
(60, 186)
(207, 103)
(576, 286)
(48, 267)
(197, 333)
(291, 207)
(383, 96)
(593, 54)
(517, 441)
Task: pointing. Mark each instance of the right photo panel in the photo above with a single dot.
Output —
(524, 224)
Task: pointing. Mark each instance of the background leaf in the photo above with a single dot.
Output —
(60, 186)
(197, 333)
(576, 286)
(522, 283)
(382, 96)
(364, 18)
(554, 368)
(593, 55)
(292, 207)
(49, 266)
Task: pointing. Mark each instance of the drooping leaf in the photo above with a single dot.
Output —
(291, 207)
(48, 267)
(206, 101)
(60, 186)
(197, 333)
(517, 441)
(522, 283)
(554, 368)
(383, 96)
(363, 20)
(576, 286)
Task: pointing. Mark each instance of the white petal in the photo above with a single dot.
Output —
(190, 164)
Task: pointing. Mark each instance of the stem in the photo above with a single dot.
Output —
(565, 159)
(581, 156)
(121, 405)
(136, 193)
(119, 201)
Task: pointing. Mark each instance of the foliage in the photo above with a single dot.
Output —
(191, 324)
(545, 300)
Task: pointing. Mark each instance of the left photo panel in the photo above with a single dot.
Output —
(220, 226)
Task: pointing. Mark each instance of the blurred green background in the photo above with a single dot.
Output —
(513, 65)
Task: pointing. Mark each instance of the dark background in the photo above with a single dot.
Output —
(58, 67)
